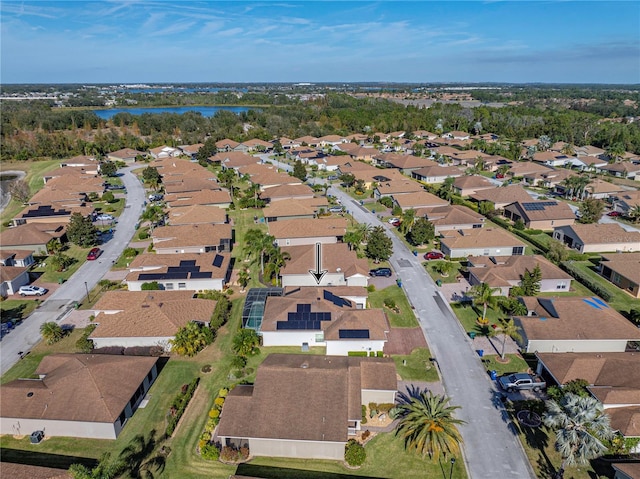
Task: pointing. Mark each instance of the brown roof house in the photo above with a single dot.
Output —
(188, 272)
(305, 406)
(342, 266)
(127, 155)
(623, 270)
(77, 395)
(288, 210)
(598, 238)
(452, 217)
(626, 470)
(11, 278)
(196, 215)
(480, 242)
(32, 236)
(150, 323)
(436, 174)
(626, 201)
(316, 319)
(573, 324)
(216, 198)
(192, 238)
(306, 231)
(468, 185)
(397, 187)
(502, 196)
(16, 257)
(505, 272)
(287, 192)
(419, 200)
(542, 215)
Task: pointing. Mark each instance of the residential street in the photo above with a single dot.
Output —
(491, 448)
(27, 334)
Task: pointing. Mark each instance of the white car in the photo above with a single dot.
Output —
(393, 220)
(32, 291)
(104, 217)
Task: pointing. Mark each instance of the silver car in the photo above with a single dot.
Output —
(32, 291)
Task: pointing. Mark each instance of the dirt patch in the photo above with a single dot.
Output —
(404, 340)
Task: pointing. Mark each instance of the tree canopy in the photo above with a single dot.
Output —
(379, 245)
(81, 231)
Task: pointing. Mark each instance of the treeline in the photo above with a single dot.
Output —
(33, 130)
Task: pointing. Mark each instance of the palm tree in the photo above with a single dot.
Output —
(105, 469)
(364, 230)
(141, 457)
(191, 339)
(258, 243)
(634, 213)
(51, 332)
(503, 169)
(245, 342)
(408, 219)
(581, 184)
(615, 152)
(483, 294)
(506, 328)
(427, 424)
(568, 150)
(276, 259)
(581, 425)
(243, 279)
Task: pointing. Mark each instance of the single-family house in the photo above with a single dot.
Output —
(307, 141)
(452, 217)
(526, 168)
(267, 176)
(436, 174)
(598, 238)
(405, 163)
(552, 158)
(295, 193)
(625, 202)
(164, 152)
(16, 257)
(548, 179)
(256, 144)
(456, 135)
(11, 278)
(232, 160)
(502, 196)
(210, 198)
(226, 145)
(624, 169)
(191, 150)
(505, 272)
(193, 238)
(601, 190)
(332, 162)
(627, 470)
(305, 406)
(573, 324)
(149, 323)
(128, 155)
(480, 242)
(397, 188)
(77, 395)
(356, 295)
(341, 265)
(331, 140)
(188, 272)
(358, 152)
(33, 236)
(623, 270)
(542, 214)
(589, 150)
(420, 201)
(468, 185)
(117, 301)
(304, 231)
(287, 210)
(196, 215)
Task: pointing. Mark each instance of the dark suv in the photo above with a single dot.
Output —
(380, 272)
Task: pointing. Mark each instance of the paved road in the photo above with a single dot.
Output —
(491, 448)
(27, 334)
(267, 157)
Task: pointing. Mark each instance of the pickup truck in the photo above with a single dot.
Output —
(520, 382)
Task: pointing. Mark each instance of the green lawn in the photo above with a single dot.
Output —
(621, 301)
(515, 364)
(50, 275)
(114, 208)
(405, 318)
(243, 221)
(416, 366)
(451, 278)
(17, 309)
(124, 260)
(468, 316)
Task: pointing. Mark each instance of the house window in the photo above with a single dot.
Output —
(168, 286)
(485, 252)
(320, 337)
(182, 285)
(518, 250)
(615, 277)
(287, 242)
(477, 226)
(561, 285)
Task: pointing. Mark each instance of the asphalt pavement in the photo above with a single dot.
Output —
(491, 447)
(27, 334)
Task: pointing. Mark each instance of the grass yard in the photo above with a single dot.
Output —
(468, 316)
(451, 278)
(115, 208)
(405, 318)
(50, 275)
(515, 364)
(621, 301)
(243, 221)
(416, 366)
(126, 258)
(17, 309)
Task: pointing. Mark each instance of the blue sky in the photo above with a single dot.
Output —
(290, 41)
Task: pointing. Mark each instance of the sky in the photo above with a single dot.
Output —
(140, 41)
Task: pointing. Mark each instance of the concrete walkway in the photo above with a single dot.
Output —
(464, 376)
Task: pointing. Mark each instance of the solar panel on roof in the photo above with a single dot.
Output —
(187, 262)
(600, 302)
(217, 261)
(353, 333)
(201, 274)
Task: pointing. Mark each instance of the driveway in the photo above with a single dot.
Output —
(60, 302)
(464, 377)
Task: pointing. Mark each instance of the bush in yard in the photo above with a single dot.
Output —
(210, 452)
(143, 235)
(223, 393)
(385, 407)
(229, 454)
(389, 303)
(219, 402)
(354, 453)
(364, 414)
(108, 197)
(371, 288)
(214, 413)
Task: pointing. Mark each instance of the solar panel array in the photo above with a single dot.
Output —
(538, 206)
(303, 318)
(337, 300)
(353, 333)
(186, 269)
(45, 210)
(217, 261)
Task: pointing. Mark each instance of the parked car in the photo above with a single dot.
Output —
(32, 291)
(336, 209)
(157, 197)
(521, 382)
(380, 272)
(115, 187)
(332, 177)
(393, 220)
(614, 213)
(434, 255)
(105, 217)
(93, 254)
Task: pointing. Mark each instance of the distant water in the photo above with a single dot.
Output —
(206, 111)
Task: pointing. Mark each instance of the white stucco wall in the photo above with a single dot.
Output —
(329, 279)
(297, 449)
(190, 285)
(378, 396)
(358, 280)
(452, 227)
(129, 342)
(577, 346)
(293, 338)
(306, 241)
(464, 252)
(23, 426)
(342, 347)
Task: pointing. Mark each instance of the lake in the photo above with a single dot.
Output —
(206, 111)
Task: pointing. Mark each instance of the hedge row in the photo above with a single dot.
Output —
(523, 234)
(586, 281)
(179, 405)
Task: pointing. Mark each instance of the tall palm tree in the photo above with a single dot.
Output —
(364, 230)
(427, 423)
(141, 457)
(483, 294)
(408, 219)
(276, 259)
(258, 243)
(581, 184)
(506, 328)
(568, 150)
(615, 152)
(634, 213)
(51, 332)
(106, 469)
(581, 425)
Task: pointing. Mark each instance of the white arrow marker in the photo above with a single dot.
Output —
(319, 273)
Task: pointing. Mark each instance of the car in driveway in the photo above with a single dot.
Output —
(115, 187)
(386, 272)
(336, 209)
(614, 213)
(93, 254)
(32, 291)
(105, 217)
(434, 255)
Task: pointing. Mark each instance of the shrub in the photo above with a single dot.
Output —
(389, 303)
(229, 454)
(373, 406)
(179, 404)
(210, 452)
(371, 288)
(357, 353)
(385, 407)
(244, 453)
(84, 344)
(354, 453)
(380, 354)
(143, 234)
(130, 252)
(366, 434)
(206, 368)
(219, 402)
(223, 393)
(214, 413)
(364, 414)
(152, 286)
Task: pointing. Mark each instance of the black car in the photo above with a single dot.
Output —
(115, 187)
(380, 272)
